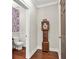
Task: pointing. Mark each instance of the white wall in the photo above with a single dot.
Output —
(33, 31)
(52, 14)
(22, 20)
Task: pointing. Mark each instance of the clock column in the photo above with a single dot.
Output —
(45, 43)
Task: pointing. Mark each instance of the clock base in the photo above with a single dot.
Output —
(45, 46)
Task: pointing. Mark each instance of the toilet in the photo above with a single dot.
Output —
(18, 44)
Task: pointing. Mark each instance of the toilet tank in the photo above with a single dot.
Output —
(16, 39)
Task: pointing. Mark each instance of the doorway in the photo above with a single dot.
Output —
(20, 17)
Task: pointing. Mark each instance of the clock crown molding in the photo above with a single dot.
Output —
(45, 25)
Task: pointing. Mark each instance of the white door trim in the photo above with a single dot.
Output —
(26, 6)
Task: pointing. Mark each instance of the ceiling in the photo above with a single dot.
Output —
(43, 2)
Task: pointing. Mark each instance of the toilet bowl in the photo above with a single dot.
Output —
(18, 43)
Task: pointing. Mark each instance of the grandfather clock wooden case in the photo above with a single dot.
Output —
(45, 29)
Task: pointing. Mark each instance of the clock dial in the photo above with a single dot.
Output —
(45, 26)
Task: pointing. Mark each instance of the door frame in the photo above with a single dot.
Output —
(27, 7)
(63, 28)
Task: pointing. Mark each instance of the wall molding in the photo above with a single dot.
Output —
(21, 3)
(47, 4)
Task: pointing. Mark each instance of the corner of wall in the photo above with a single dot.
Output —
(33, 51)
(57, 50)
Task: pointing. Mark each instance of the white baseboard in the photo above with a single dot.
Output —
(33, 51)
(54, 49)
(59, 53)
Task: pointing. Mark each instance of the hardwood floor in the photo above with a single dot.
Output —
(44, 55)
(19, 54)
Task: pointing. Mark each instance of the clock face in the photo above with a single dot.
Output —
(45, 26)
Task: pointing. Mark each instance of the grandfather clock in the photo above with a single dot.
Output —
(45, 29)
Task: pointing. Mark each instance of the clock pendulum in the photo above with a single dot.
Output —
(45, 29)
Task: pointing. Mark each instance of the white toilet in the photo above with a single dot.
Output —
(18, 43)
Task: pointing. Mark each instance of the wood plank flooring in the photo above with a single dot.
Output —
(44, 55)
(19, 54)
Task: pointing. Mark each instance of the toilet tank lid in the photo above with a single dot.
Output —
(16, 37)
